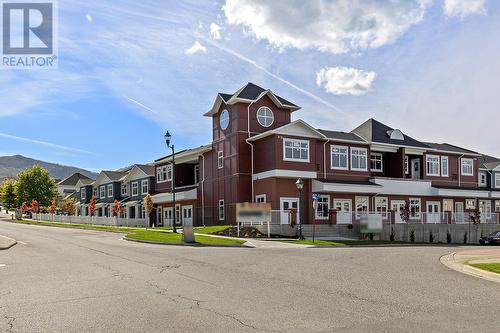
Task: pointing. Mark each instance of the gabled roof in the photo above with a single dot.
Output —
(446, 147)
(342, 136)
(374, 131)
(296, 128)
(114, 175)
(83, 182)
(185, 155)
(247, 94)
(73, 179)
(488, 162)
(139, 171)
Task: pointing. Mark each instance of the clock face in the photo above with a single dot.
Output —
(224, 119)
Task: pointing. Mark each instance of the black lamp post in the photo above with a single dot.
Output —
(300, 185)
(168, 137)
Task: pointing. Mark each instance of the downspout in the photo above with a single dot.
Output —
(251, 150)
(324, 157)
(203, 192)
(460, 170)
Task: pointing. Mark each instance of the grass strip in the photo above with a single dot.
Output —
(491, 267)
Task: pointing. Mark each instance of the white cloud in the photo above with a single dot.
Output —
(334, 26)
(345, 80)
(215, 30)
(462, 8)
(89, 18)
(197, 47)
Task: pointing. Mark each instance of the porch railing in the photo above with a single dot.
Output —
(97, 220)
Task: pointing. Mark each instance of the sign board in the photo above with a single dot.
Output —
(470, 203)
(371, 223)
(253, 212)
(316, 197)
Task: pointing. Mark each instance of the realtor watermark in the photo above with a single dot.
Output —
(29, 34)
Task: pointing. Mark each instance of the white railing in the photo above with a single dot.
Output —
(97, 220)
(467, 217)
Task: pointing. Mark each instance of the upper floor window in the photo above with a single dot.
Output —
(432, 162)
(295, 150)
(135, 188)
(482, 178)
(407, 166)
(124, 190)
(467, 167)
(196, 173)
(83, 193)
(444, 166)
(497, 180)
(359, 159)
(102, 192)
(94, 192)
(224, 119)
(221, 210)
(164, 173)
(340, 157)
(110, 190)
(145, 186)
(265, 116)
(220, 159)
(376, 162)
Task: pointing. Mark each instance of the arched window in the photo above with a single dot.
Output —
(265, 116)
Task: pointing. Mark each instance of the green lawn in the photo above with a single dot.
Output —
(492, 267)
(343, 242)
(211, 230)
(316, 243)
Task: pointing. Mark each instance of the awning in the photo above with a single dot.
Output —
(191, 194)
(345, 187)
(132, 203)
(99, 205)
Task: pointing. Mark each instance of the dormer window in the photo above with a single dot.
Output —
(224, 119)
(265, 116)
(396, 134)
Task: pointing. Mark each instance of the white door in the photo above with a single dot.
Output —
(167, 217)
(398, 206)
(159, 214)
(433, 212)
(344, 210)
(415, 168)
(459, 212)
(286, 204)
(187, 215)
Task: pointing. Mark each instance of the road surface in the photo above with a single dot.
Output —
(68, 280)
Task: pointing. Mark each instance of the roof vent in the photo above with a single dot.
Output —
(395, 134)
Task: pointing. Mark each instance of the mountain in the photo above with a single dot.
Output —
(10, 166)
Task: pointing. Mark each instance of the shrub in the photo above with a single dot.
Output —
(412, 236)
(393, 236)
(431, 237)
(465, 237)
(370, 235)
(448, 237)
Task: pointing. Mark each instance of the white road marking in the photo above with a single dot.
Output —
(2, 265)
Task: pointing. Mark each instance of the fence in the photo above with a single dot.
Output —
(96, 220)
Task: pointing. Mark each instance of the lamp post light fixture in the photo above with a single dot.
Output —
(300, 185)
(168, 139)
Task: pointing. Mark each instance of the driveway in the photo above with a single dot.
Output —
(68, 280)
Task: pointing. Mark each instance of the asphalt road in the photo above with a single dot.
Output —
(67, 280)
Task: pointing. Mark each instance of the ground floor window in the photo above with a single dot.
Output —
(497, 206)
(323, 206)
(361, 206)
(261, 198)
(221, 210)
(485, 207)
(415, 208)
(381, 206)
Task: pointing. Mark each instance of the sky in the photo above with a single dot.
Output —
(128, 71)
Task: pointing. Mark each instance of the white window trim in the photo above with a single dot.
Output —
(144, 181)
(95, 192)
(168, 173)
(346, 154)
(443, 174)
(83, 193)
(122, 187)
(102, 192)
(296, 159)
(480, 183)
(272, 116)
(384, 214)
(196, 173)
(110, 190)
(462, 160)
(381, 162)
(328, 205)
(438, 165)
(220, 159)
(134, 185)
(416, 217)
(366, 157)
(223, 215)
(261, 196)
(359, 198)
(497, 180)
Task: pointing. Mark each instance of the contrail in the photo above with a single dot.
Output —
(141, 105)
(44, 143)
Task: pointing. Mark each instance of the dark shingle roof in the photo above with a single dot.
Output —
(73, 179)
(450, 148)
(225, 97)
(251, 92)
(374, 131)
(341, 136)
(488, 162)
(114, 175)
(147, 169)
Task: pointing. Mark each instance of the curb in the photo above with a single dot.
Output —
(6, 242)
(450, 261)
(186, 244)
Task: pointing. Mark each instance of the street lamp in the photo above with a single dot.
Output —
(168, 138)
(300, 185)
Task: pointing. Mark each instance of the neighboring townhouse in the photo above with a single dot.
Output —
(134, 186)
(106, 189)
(489, 179)
(68, 185)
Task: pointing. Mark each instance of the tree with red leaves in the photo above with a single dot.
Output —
(53, 206)
(117, 208)
(24, 208)
(35, 207)
(92, 207)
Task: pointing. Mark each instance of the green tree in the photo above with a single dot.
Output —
(8, 193)
(35, 183)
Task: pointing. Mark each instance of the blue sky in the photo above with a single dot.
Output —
(129, 70)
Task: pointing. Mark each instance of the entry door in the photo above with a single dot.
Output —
(433, 212)
(287, 204)
(344, 210)
(159, 214)
(459, 212)
(167, 214)
(187, 215)
(415, 168)
(398, 206)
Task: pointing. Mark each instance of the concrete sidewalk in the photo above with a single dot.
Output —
(460, 261)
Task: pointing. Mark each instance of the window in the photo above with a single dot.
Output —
(220, 159)
(221, 210)
(414, 208)
(497, 180)
(323, 207)
(83, 193)
(196, 173)
(295, 150)
(340, 157)
(260, 198)
(376, 162)
(381, 206)
(482, 178)
(224, 119)
(102, 192)
(407, 169)
(497, 206)
(467, 167)
(444, 166)
(470, 203)
(143, 211)
(94, 192)
(265, 116)
(432, 165)
(164, 173)
(361, 206)
(124, 190)
(110, 190)
(144, 186)
(135, 189)
(358, 159)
